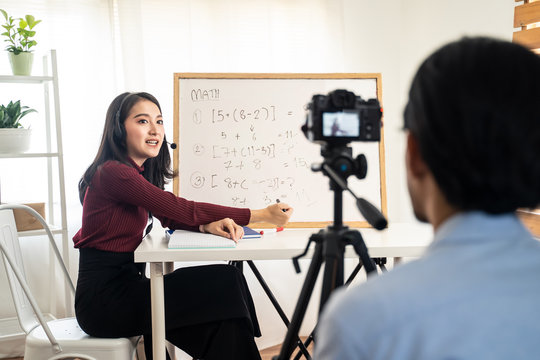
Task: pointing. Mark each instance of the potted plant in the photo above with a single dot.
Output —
(13, 137)
(20, 41)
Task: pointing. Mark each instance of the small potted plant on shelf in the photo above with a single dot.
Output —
(19, 39)
(14, 138)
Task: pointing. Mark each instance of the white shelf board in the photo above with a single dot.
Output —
(24, 79)
(29, 155)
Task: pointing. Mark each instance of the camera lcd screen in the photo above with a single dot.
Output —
(341, 124)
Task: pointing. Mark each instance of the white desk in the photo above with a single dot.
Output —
(399, 240)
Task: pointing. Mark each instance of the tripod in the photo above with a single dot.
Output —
(330, 246)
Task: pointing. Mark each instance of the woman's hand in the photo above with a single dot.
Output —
(277, 214)
(224, 227)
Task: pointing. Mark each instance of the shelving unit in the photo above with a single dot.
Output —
(48, 82)
(53, 156)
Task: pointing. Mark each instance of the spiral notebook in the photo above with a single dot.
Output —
(184, 239)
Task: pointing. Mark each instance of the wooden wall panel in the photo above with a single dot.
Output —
(527, 14)
(531, 219)
(529, 38)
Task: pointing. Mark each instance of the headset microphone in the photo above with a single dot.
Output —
(172, 145)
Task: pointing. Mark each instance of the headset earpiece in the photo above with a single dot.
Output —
(119, 129)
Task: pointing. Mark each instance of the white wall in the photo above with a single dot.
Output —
(393, 37)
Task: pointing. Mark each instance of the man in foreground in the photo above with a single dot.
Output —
(473, 158)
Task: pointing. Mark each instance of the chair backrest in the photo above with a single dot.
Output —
(28, 312)
(10, 243)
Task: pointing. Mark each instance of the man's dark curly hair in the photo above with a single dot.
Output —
(474, 108)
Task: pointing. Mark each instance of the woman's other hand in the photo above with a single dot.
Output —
(224, 227)
(277, 214)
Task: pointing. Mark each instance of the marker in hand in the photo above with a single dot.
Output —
(277, 201)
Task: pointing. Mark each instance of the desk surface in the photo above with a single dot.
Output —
(399, 240)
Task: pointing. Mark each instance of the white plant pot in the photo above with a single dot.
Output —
(21, 64)
(14, 140)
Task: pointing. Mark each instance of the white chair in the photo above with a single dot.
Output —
(56, 339)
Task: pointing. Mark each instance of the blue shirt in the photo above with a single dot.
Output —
(475, 294)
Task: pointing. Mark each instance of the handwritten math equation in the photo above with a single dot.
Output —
(253, 151)
(262, 113)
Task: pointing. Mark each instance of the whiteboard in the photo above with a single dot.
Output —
(240, 144)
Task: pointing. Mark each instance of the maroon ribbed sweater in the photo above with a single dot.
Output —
(116, 205)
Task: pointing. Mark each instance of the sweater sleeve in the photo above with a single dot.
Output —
(124, 184)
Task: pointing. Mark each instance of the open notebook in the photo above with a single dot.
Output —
(184, 239)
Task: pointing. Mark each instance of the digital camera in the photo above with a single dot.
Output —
(341, 117)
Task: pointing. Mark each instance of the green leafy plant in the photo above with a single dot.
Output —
(19, 38)
(11, 114)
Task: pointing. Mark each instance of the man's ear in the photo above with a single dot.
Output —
(414, 160)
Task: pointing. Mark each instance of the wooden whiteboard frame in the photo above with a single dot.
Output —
(334, 76)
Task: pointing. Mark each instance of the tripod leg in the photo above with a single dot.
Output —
(311, 336)
(381, 262)
(333, 273)
(309, 340)
(354, 272)
(301, 305)
(268, 292)
(273, 300)
(356, 240)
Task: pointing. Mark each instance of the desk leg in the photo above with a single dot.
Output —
(158, 310)
(168, 267)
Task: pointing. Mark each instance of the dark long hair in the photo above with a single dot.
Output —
(113, 144)
(473, 107)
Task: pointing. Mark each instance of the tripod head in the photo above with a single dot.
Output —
(339, 159)
(338, 165)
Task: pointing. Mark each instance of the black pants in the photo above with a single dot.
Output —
(209, 312)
